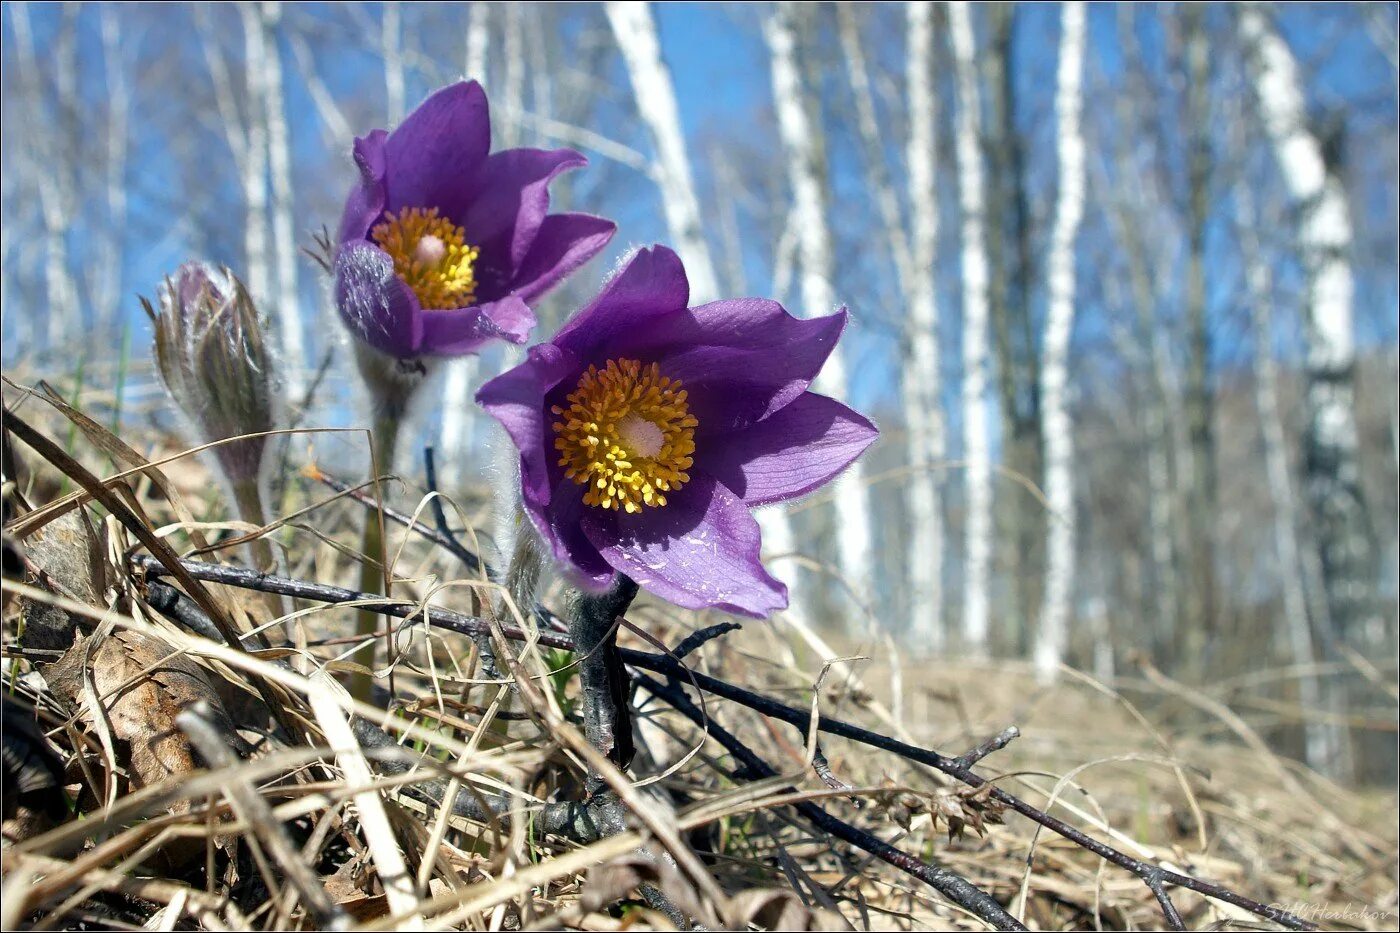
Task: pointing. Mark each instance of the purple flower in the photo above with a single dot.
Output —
(445, 245)
(647, 431)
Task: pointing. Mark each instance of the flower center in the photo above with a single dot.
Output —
(627, 434)
(431, 255)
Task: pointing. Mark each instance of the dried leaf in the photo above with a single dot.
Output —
(614, 880)
(776, 909)
(65, 558)
(142, 687)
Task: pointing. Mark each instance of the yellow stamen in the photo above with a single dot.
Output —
(627, 434)
(431, 254)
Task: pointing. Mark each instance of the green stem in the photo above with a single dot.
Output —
(374, 566)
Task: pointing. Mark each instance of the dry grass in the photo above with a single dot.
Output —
(313, 833)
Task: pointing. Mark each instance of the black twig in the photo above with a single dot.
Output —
(440, 514)
(695, 639)
(798, 718)
(950, 884)
(995, 744)
(446, 541)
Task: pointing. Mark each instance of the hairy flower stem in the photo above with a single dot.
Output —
(247, 498)
(593, 625)
(374, 569)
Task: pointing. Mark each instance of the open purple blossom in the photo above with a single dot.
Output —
(445, 245)
(648, 430)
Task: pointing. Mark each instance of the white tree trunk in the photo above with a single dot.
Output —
(61, 290)
(872, 140)
(457, 408)
(799, 136)
(1325, 240)
(254, 158)
(478, 39)
(1058, 429)
(513, 75)
(109, 287)
(977, 560)
(287, 311)
(635, 32)
(391, 38)
(1320, 745)
(922, 400)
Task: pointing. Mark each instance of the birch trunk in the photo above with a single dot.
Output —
(1052, 636)
(458, 409)
(1325, 240)
(977, 567)
(1321, 744)
(513, 75)
(391, 39)
(109, 288)
(635, 33)
(799, 136)
(1201, 493)
(287, 311)
(872, 140)
(60, 290)
(1159, 427)
(478, 38)
(254, 157)
(922, 401)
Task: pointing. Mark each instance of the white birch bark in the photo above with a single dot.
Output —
(254, 157)
(60, 289)
(635, 33)
(978, 533)
(513, 75)
(458, 409)
(799, 136)
(1052, 635)
(1320, 746)
(921, 378)
(287, 310)
(336, 128)
(109, 286)
(872, 141)
(1325, 239)
(478, 38)
(391, 38)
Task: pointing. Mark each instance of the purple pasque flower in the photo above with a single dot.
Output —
(648, 430)
(444, 244)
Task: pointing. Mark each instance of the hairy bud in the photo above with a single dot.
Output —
(212, 352)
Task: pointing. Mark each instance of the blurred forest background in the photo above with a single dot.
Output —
(1123, 282)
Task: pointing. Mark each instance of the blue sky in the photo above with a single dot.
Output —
(718, 61)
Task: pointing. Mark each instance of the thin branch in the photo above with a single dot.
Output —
(798, 718)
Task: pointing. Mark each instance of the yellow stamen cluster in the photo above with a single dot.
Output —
(431, 255)
(627, 434)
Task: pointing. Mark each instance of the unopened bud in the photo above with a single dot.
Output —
(211, 349)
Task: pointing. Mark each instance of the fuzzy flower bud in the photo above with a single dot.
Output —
(211, 349)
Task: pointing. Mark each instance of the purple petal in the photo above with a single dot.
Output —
(651, 286)
(699, 551)
(741, 359)
(432, 156)
(791, 452)
(560, 525)
(516, 399)
(374, 302)
(564, 242)
(366, 201)
(461, 330)
(511, 202)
